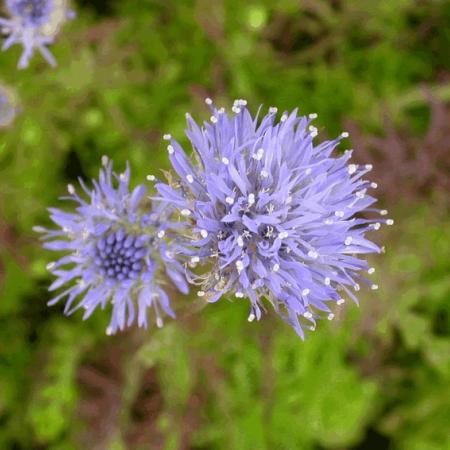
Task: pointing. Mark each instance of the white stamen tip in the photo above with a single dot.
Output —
(109, 331)
(189, 178)
(195, 259)
(200, 293)
(341, 301)
(159, 322)
(356, 287)
(384, 212)
(226, 161)
(213, 119)
(369, 166)
(208, 101)
(251, 317)
(251, 199)
(264, 174)
(289, 200)
(229, 200)
(70, 189)
(240, 241)
(352, 168)
(239, 294)
(239, 266)
(339, 214)
(273, 109)
(283, 118)
(167, 137)
(313, 116)
(373, 185)
(376, 225)
(313, 254)
(371, 270)
(151, 178)
(389, 222)
(276, 267)
(50, 265)
(185, 212)
(327, 281)
(344, 134)
(306, 291)
(307, 315)
(161, 234)
(348, 240)
(283, 235)
(204, 233)
(374, 287)
(170, 149)
(330, 316)
(361, 193)
(105, 160)
(259, 154)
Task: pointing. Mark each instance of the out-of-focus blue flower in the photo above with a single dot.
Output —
(34, 24)
(274, 216)
(114, 248)
(8, 107)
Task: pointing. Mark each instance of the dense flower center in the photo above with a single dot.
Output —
(120, 256)
(33, 10)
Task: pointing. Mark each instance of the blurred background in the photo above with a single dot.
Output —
(378, 376)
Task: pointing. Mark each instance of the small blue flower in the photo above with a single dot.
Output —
(115, 247)
(274, 215)
(34, 25)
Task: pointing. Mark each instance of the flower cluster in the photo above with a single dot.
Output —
(273, 215)
(33, 24)
(261, 212)
(114, 249)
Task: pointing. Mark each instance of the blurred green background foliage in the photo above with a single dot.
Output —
(377, 377)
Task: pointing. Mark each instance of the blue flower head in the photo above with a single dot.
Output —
(34, 25)
(114, 246)
(274, 215)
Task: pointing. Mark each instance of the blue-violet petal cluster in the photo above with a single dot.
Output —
(115, 248)
(34, 25)
(274, 215)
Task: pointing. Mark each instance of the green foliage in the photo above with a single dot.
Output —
(127, 73)
(276, 392)
(419, 318)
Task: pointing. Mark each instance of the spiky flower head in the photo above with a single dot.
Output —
(115, 248)
(34, 25)
(274, 215)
